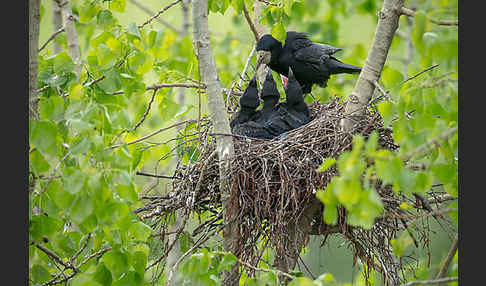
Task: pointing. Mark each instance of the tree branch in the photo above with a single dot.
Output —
(149, 135)
(435, 142)
(146, 111)
(150, 12)
(51, 38)
(159, 13)
(410, 13)
(387, 25)
(250, 23)
(433, 281)
(449, 257)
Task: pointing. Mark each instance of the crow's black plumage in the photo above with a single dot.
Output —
(290, 114)
(248, 104)
(269, 95)
(274, 118)
(312, 63)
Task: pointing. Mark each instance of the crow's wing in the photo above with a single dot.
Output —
(315, 53)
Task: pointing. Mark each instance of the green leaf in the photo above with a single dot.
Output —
(139, 261)
(102, 275)
(63, 63)
(229, 259)
(185, 109)
(347, 191)
(278, 31)
(74, 180)
(51, 108)
(423, 182)
(140, 231)
(302, 281)
(237, 5)
(328, 162)
(38, 163)
(131, 278)
(385, 109)
(81, 209)
(43, 136)
(104, 17)
(389, 170)
(418, 30)
(39, 274)
(268, 279)
(117, 5)
(116, 261)
(83, 279)
(106, 58)
(444, 172)
(87, 12)
(287, 6)
(132, 29)
(330, 214)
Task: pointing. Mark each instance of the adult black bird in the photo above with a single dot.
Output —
(312, 63)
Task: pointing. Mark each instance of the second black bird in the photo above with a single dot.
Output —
(312, 63)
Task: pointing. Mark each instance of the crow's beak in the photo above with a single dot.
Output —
(263, 57)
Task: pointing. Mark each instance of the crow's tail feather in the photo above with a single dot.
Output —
(336, 66)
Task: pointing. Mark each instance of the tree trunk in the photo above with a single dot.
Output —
(34, 22)
(364, 88)
(71, 34)
(57, 24)
(217, 110)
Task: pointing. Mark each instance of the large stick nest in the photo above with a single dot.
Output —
(273, 183)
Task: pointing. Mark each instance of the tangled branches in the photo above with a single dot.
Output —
(274, 187)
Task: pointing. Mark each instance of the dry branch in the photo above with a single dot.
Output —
(149, 135)
(410, 13)
(160, 20)
(432, 281)
(52, 37)
(449, 257)
(159, 13)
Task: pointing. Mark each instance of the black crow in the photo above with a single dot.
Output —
(290, 114)
(312, 63)
(269, 95)
(248, 104)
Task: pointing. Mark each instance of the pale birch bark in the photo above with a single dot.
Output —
(57, 24)
(220, 122)
(371, 71)
(34, 23)
(71, 34)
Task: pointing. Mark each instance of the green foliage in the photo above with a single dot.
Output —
(82, 186)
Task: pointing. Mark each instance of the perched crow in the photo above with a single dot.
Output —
(312, 63)
(248, 104)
